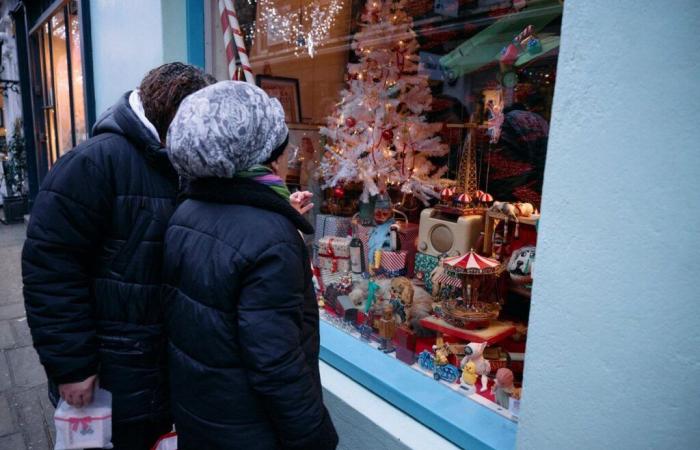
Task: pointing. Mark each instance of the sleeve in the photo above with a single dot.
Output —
(270, 328)
(67, 220)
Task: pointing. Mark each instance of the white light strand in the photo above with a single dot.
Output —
(305, 34)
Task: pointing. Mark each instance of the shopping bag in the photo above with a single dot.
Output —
(166, 442)
(86, 427)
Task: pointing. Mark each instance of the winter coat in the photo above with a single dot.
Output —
(92, 265)
(242, 322)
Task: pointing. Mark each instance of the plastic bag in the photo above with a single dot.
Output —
(167, 442)
(87, 427)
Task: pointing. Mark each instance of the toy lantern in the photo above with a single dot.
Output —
(447, 194)
(480, 294)
(464, 199)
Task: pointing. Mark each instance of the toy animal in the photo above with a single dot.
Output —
(469, 373)
(503, 387)
(520, 264)
(475, 352)
(421, 307)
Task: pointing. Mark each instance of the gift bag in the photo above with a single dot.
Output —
(392, 264)
(424, 266)
(87, 427)
(166, 442)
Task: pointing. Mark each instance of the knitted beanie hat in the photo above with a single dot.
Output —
(225, 128)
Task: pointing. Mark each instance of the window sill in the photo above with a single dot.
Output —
(457, 418)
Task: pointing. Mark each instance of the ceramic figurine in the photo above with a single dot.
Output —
(442, 354)
(475, 352)
(469, 373)
(503, 388)
(387, 329)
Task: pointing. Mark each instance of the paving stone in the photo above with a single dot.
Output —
(25, 366)
(7, 339)
(12, 311)
(32, 418)
(12, 442)
(7, 422)
(5, 380)
(23, 336)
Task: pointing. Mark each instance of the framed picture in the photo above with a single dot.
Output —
(286, 90)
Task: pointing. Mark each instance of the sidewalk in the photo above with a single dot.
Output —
(26, 416)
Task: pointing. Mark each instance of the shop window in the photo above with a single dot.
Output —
(58, 83)
(421, 127)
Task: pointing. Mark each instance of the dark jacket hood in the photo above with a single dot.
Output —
(121, 119)
(240, 191)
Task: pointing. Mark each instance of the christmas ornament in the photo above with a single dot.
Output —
(350, 122)
(338, 192)
(387, 135)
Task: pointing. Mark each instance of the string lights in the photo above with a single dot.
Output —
(306, 30)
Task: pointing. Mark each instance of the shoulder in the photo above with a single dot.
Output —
(251, 231)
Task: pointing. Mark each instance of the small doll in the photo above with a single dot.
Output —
(475, 352)
(401, 298)
(387, 329)
(442, 354)
(503, 388)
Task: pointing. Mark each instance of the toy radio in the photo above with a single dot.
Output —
(452, 234)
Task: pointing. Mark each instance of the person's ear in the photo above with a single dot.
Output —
(275, 166)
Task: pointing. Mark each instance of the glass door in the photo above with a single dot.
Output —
(58, 84)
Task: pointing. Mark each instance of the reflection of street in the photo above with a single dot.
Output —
(26, 416)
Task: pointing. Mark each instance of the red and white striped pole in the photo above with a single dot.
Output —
(233, 40)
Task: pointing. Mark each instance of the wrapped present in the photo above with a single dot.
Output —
(424, 266)
(329, 225)
(329, 277)
(392, 264)
(334, 254)
(408, 234)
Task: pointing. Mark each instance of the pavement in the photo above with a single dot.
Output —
(26, 415)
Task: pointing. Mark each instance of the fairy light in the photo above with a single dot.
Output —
(306, 34)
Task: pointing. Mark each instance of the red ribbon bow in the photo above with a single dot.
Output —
(74, 422)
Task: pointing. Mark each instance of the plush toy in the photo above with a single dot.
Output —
(503, 387)
(358, 295)
(469, 373)
(421, 307)
(442, 354)
(524, 209)
(520, 264)
(475, 352)
(402, 289)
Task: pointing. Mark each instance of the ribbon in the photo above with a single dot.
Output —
(331, 254)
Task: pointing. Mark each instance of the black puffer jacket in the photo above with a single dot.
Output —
(242, 322)
(92, 265)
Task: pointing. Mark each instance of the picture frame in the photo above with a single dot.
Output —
(286, 90)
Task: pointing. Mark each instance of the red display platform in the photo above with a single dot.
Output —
(493, 334)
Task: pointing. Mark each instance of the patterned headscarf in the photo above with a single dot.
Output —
(223, 129)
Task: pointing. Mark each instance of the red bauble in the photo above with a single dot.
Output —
(338, 192)
(350, 122)
(387, 135)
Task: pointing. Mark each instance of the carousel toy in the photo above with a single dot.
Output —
(479, 303)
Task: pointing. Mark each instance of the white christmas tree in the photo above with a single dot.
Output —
(378, 134)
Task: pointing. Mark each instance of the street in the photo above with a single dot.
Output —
(26, 415)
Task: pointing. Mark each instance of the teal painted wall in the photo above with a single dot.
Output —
(174, 30)
(613, 357)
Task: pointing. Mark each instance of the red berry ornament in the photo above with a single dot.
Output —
(350, 122)
(338, 192)
(388, 135)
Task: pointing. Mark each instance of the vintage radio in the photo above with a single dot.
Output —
(452, 234)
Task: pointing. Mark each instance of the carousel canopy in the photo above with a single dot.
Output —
(472, 264)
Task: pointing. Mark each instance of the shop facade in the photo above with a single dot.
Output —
(590, 99)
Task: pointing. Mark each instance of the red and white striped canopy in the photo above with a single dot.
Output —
(471, 263)
(464, 199)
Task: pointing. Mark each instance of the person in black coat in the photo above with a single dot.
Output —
(92, 260)
(241, 314)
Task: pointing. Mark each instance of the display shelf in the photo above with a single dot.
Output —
(456, 413)
(493, 334)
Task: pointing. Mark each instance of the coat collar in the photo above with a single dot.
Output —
(239, 191)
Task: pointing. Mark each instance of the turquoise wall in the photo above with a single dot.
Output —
(613, 357)
(130, 37)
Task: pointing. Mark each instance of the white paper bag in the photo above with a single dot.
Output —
(86, 427)
(167, 442)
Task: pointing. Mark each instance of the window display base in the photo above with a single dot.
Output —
(459, 418)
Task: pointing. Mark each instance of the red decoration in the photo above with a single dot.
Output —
(447, 194)
(388, 135)
(464, 199)
(350, 122)
(338, 192)
(486, 198)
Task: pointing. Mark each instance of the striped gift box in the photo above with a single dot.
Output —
(392, 264)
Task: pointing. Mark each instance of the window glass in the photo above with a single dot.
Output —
(77, 79)
(435, 113)
(61, 82)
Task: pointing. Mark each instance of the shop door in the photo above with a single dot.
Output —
(58, 85)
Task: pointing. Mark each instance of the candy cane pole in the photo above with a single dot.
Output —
(228, 12)
(228, 41)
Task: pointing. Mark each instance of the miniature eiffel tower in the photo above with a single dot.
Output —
(466, 178)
